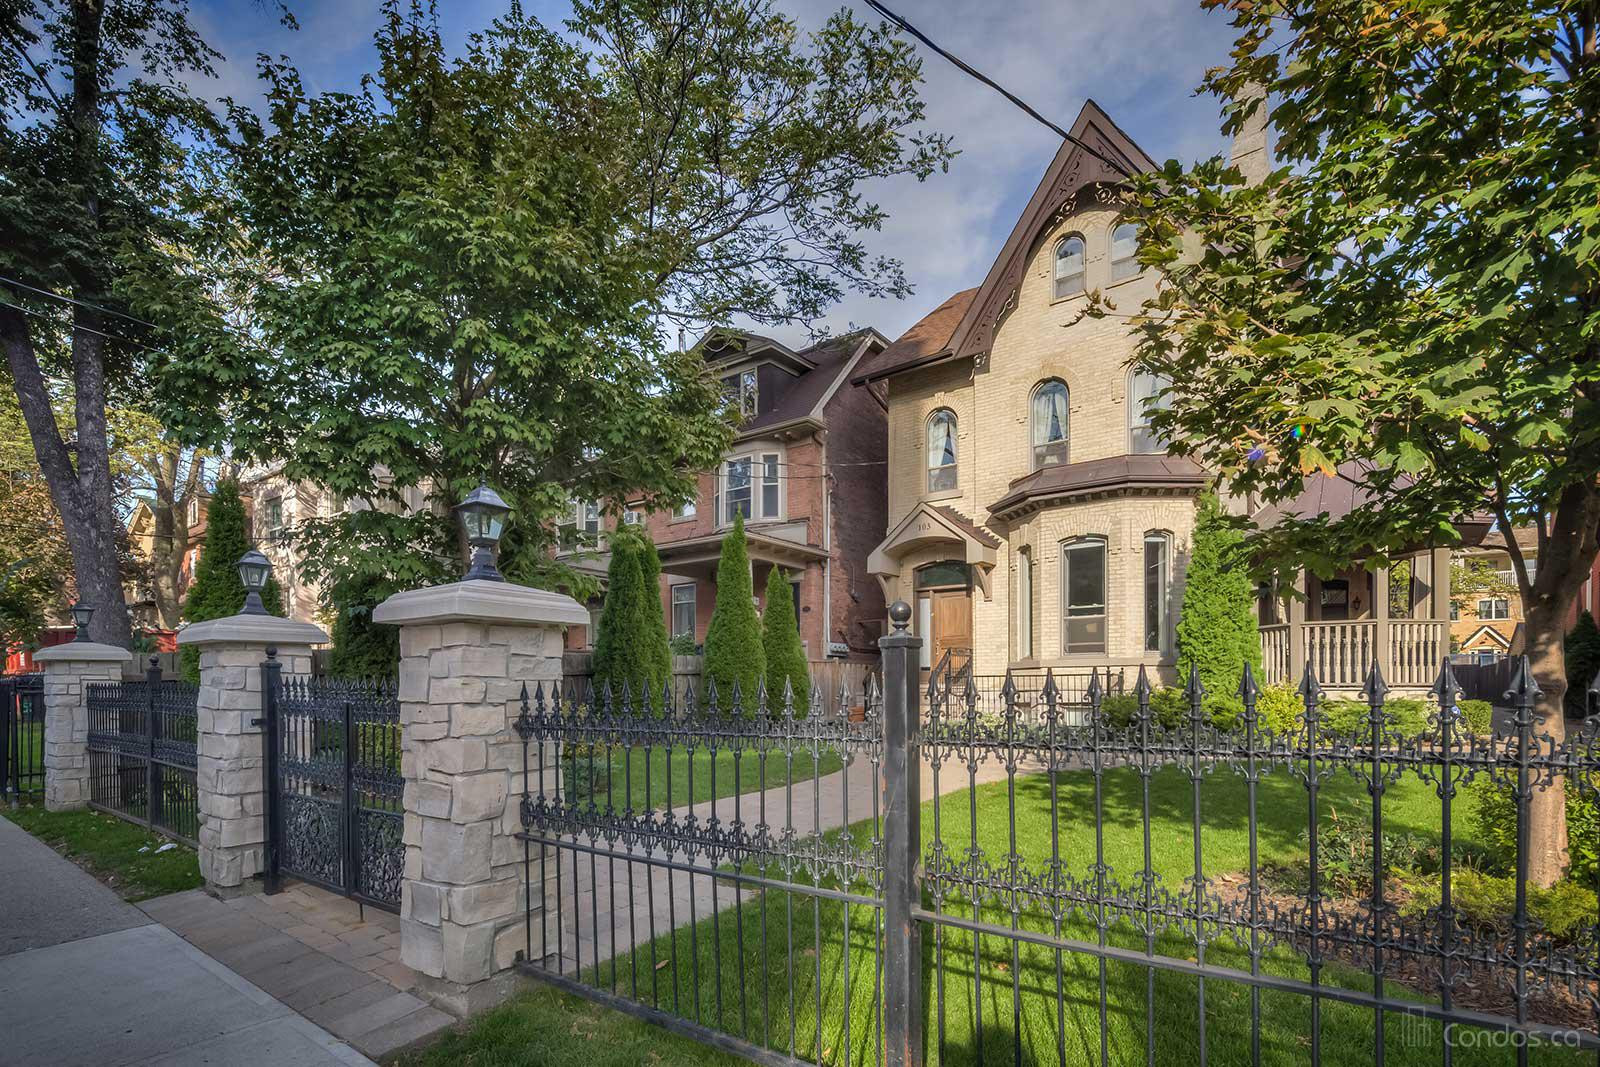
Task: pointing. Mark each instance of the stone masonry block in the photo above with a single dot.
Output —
(455, 853)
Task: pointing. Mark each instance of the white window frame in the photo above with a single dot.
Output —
(742, 389)
(1142, 440)
(1499, 608)
(693, 604)
(1080, 544)
(1038, 449)
(1126, 266)
(1163, 591)
(1066, 285)
(272, 531)
(1024, 606)
(763, 465)
(632, 516)
(938, 471)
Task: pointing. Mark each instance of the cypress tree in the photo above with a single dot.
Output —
(623, 651)
(734, 653)
(361, 647)
(780, 640)
(658, 646)
(217, 591)
(1582, 650)
(1217, 628)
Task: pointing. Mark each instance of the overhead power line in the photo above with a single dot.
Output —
(53, 295)
(971, 71)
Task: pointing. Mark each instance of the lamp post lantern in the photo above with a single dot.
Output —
(483, 519)
(81, 614)
(255, 570)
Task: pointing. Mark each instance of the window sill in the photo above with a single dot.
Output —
(1080, 294)
(943, 494)
(679, 520)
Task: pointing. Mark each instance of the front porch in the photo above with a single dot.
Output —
(1397, 616)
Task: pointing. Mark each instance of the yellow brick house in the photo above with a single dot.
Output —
(1034, 520)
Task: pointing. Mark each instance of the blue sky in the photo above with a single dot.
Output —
(1139, 59)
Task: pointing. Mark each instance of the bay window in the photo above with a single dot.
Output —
(1083, 595)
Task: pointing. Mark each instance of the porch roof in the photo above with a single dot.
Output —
(1139, 472)
(697, 557)
(933, 524)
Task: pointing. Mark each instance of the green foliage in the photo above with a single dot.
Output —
(780, 642)
(1217, 629)
(655, 618)
(684, 645)
(1581, 651)
(217, 591)
(1344, 853)
(1476, 715)
(1352, 718)
(734, 650)
(1487, 902)
(471, 255)
(361, 647)
(626, 650)
(1282, 710)
(1494, 821)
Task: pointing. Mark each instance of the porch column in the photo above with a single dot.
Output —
(466, 651)
(1439, 585)
(230, 762)
(69, 670)
(1297, 628)
(1381, 651)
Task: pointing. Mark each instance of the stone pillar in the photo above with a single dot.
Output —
(466, 650)
(68, 670)
(229, 757)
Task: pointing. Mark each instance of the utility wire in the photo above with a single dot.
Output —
(971, 71)
(75, 301)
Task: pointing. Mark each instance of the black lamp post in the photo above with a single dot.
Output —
(81, 614)
(254, 571)
(483, 519)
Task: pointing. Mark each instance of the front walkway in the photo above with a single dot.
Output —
(332, 961)
(88, 979)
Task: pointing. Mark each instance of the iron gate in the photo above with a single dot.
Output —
(334, 800)
(957, 877)
(21, 735)
(142, 738)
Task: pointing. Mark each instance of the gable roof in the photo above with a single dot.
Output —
(829, 360)
(965, 324)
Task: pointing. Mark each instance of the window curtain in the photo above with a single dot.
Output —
(1050, 414)
(941, 441)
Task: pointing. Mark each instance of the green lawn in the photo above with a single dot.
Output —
(549, 1028)
(656, 779)
(750, 993)
(119, 853)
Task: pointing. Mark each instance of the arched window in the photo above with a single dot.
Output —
(1069, 266)
(1083, 595)
(941, 451)
(1146, 396)
(1124, 251)
(1049, 423)
(1157, 592)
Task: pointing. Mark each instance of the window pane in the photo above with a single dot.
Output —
(1069, 267)
(1083, 567)
(941, 452)
(1145, 398)
(1155, 593)
(1049, 418)
(683, 610)
(948, 573)
(769, 487)
(747, 388)
(736, 497)
(1124, 251)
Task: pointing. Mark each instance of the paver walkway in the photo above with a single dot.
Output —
(324, 956)
(637, 902)
(88, 979)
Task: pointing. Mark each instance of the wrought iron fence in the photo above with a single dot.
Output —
(21, 736)
(141, 744)
(334, 811)
(975, 878)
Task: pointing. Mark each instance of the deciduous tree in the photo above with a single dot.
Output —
(1412, 302)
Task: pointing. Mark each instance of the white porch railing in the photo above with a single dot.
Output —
(1342, 652)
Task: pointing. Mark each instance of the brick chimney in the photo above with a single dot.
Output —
(1252, 153)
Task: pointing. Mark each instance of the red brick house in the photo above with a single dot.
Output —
(806, 470)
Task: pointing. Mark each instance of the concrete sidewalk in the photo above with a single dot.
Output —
(87, 979)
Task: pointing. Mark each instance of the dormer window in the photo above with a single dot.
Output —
(739, 391)
(1049, 416)
(1069, 266)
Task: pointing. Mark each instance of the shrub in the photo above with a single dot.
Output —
(1488, 902)
(361, 647)
(683, 645)
(1476, 716)
(780, 641)
(1351, 718)
(1582, 651)
(1217, 630)
(217, 591)
(1280, 708)
(734, 653)
(1494, 820)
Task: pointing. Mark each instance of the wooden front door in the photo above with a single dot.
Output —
(952, 626)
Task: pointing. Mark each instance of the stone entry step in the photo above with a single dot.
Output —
(318, 954)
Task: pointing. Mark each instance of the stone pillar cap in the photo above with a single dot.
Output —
(480, 601)
(252, 630)
(82, 652)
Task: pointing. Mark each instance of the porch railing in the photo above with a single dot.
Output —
(1407, 650)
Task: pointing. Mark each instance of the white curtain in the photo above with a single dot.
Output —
(1050, 414)
(941, 440)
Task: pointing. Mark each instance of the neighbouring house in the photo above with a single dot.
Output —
(1034, 519)
(141, 539)
(1486, 612)
(806, 472)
